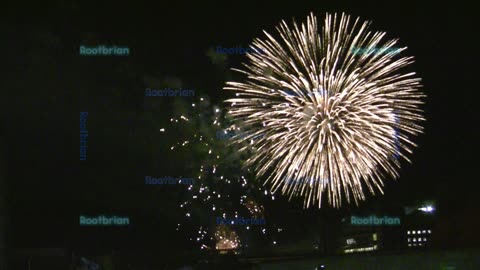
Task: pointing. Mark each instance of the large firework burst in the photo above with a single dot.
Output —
(326, 118)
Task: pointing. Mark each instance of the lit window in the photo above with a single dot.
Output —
(419, 239)
(374, 237)
(409, 239)
(420, 244)
(424, 231)
(408, 232)
(419, 232)
(429, 231)
(425, 239)
(409, 245)
(414, 239)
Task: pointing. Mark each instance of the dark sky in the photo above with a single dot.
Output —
(46, 84)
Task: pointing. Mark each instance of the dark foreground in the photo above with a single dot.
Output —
(420, 260)
(448, 260)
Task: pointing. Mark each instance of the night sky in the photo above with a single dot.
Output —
(46, 83)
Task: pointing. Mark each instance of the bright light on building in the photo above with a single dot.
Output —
(371, 248)
(427, 209)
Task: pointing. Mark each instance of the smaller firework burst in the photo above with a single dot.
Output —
(226, 238)
(254, 208)
(221, 187)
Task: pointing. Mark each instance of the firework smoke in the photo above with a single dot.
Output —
(324, 119)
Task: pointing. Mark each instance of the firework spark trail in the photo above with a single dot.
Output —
(349, 117)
